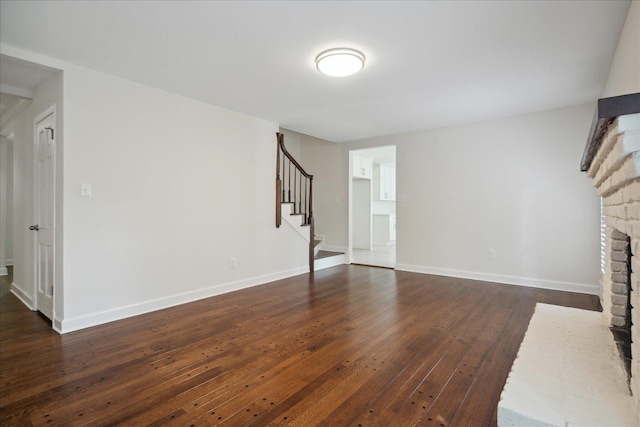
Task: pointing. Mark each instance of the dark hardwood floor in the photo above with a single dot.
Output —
(351, 346)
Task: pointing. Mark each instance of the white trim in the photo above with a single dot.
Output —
(94, 319)
(331, 261)
(500, 278)
(4, 271)
(8, 262)
(16, 91)
(22, 296)
(56, 324)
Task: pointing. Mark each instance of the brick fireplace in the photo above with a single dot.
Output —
(612, 161)
(617, 274)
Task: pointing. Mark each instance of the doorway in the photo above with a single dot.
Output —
(372, 206)
(29, 95)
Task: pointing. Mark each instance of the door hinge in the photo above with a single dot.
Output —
(51, 290)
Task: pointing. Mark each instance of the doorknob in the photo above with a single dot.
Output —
(34, 228)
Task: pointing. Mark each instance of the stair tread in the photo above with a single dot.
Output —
(316, 242)
(327, 254)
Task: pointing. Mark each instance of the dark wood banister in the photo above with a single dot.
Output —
(280, 194)
(290, 157)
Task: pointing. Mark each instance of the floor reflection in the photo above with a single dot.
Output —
(379, 255)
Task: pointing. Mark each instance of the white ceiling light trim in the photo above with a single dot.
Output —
(340, 62)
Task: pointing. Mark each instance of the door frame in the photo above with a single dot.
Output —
(34, 242)
(351, 152)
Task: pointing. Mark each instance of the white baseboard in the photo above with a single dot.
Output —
(4, 271)
(22, 296)
(94, 319)
(499, 278)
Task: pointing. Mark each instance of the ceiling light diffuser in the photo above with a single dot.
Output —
(340, 62)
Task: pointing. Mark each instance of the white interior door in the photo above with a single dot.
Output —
(44, 214)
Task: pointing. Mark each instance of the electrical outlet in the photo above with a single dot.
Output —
(232, 262)
(492, 254)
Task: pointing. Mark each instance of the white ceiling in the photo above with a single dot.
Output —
(429, 64)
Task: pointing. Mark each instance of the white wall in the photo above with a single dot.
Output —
(512, 185)
(624, 74)
(179, 187)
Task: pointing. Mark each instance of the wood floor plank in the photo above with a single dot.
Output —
(433, 383)
(423, 361)
(349, 345)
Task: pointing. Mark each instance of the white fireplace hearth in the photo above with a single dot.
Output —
(567, 373)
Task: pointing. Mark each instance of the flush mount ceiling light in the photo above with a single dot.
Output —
(340, 62)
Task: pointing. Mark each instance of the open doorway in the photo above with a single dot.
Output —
(372, 206)
(28, 97)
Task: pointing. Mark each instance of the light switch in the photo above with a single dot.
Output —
(85, 190)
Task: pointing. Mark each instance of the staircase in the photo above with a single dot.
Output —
(294, 204)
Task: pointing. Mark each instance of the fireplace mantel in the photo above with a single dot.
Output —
(606, 112)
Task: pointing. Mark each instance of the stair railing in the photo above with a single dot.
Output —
(294, 185)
